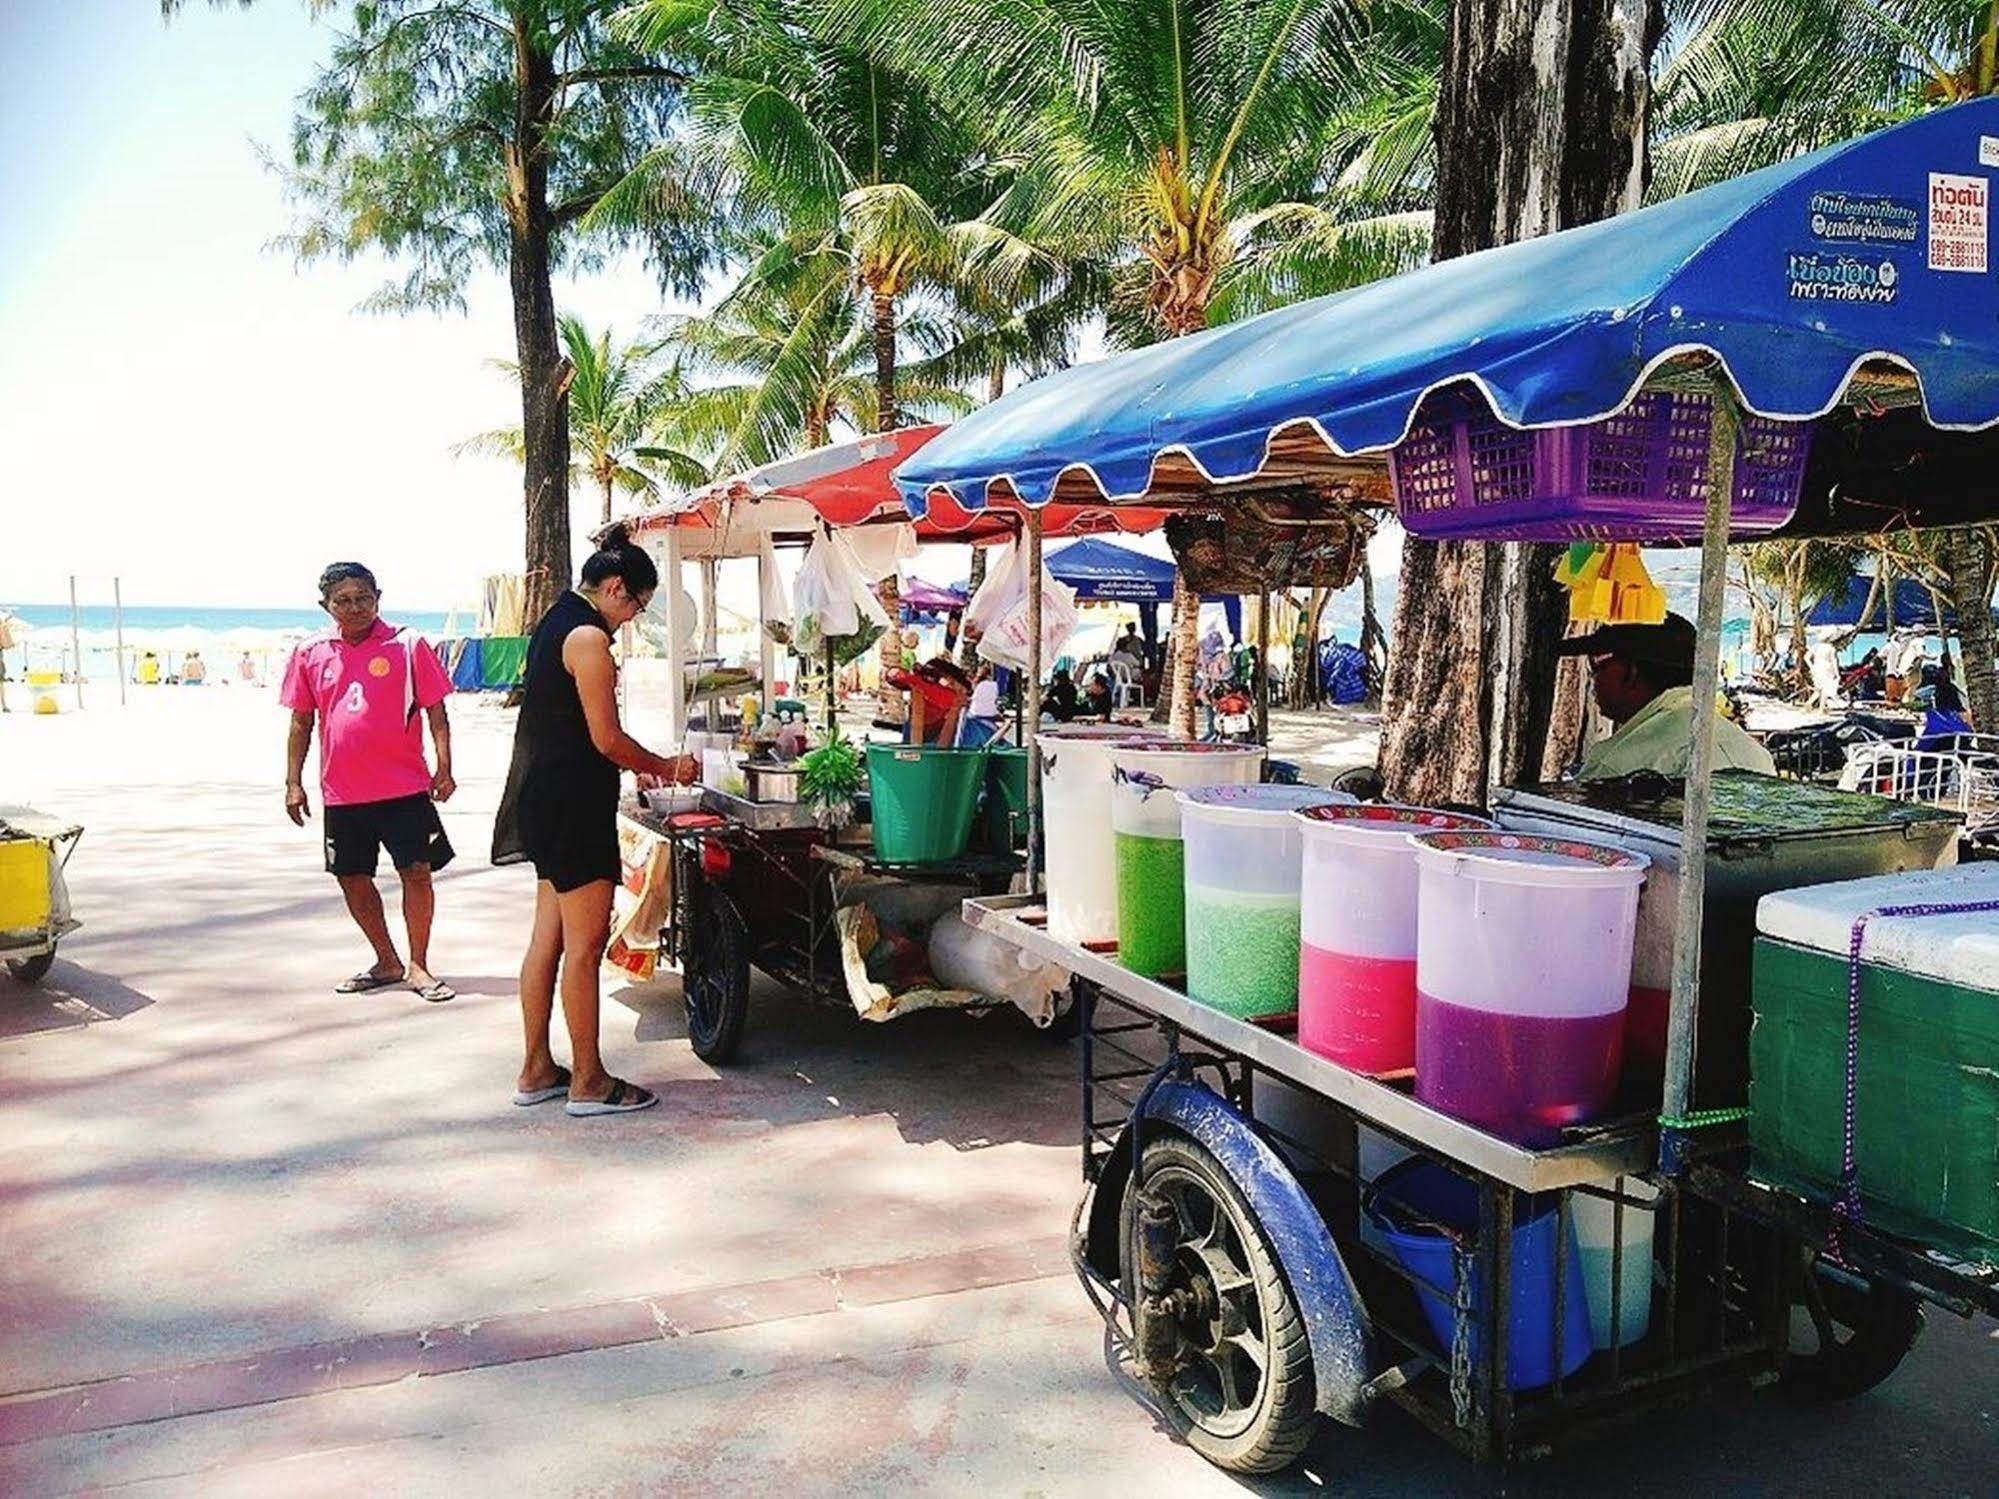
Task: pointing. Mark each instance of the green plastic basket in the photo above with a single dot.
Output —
(923, 799)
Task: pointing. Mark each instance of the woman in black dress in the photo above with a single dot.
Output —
(560, 813)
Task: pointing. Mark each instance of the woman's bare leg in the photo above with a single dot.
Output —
(586, 927)
(538, 989)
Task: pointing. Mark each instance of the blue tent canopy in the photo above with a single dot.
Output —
(1793, 276)
(1912, 606)
(1104, 571)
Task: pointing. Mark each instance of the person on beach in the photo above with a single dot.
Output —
(194, 670)
(149, 670)
(559, 812)
(364, 683)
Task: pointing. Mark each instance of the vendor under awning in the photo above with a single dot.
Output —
(1642, 676)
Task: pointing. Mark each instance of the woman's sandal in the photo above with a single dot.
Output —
(624, 1098)
(367, 981)
(527, 1098)
(436, 991)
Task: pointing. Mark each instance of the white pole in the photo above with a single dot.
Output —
(75, 642)
(676, 651)
(118, 623)
(766, 647)
(1681, 1018)
(1032, 693)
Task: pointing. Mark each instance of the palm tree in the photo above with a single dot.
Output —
(774, 368)
(614, 398)
(1146, 132)
(834, 162)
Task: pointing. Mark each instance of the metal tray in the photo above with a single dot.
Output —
(1596, 1161)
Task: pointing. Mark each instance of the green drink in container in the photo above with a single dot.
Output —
(1145, 823)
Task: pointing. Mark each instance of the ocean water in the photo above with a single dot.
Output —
(222, 636)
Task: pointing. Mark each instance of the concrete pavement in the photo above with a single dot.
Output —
(256, 1236)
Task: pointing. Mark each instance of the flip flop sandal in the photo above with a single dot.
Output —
(527, 1098)
(367, 982)
(624, 1098)
(436, 991)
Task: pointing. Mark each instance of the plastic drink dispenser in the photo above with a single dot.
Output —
(1242, 868)
(1523, 973)
(1076, 828)
(1357, 960)
(1145, 823)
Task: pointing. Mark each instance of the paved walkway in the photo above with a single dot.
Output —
(255, 1237)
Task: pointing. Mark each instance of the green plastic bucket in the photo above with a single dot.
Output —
(923, 799)
(1003, 822)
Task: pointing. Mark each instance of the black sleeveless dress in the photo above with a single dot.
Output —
(560, 809)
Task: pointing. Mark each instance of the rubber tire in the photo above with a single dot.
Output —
(1289, 1414)
(719, 955)
(32, 970)
(1883, 1324)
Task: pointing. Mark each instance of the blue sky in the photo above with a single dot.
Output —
(179, 405)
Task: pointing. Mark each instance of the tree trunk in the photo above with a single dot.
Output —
(1373, 640)
(1540, 126)
(1181, 658)
(1966, 554)
(605, 483)
(544, 397)
(968, 648)
(887, 418)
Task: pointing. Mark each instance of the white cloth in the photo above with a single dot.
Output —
(1905, 656)
(985, 700)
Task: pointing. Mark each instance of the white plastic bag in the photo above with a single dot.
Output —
(879, 550)
(1002, 586)
(1006, 643)
(776, 607)
(833, 603)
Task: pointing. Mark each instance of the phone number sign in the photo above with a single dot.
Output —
(1958, 211)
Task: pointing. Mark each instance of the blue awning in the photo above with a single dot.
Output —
(1104, 571)
(1912, 601)
(1795, 276)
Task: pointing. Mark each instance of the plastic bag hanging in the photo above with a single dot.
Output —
(775, 606)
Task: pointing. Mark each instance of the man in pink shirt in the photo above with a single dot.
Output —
(365, 683)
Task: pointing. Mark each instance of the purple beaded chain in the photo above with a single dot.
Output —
(1846, 1206)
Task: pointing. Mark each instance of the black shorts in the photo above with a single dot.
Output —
(407, 826)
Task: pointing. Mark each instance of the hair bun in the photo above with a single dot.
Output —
(614, 537)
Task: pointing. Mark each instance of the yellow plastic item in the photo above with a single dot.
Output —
(24, 884)
(1609, 585)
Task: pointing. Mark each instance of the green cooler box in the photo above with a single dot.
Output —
(1926, 1124)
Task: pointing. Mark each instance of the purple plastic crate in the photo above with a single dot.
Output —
(1640, 475)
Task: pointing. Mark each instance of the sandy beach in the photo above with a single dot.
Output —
(257, 1237)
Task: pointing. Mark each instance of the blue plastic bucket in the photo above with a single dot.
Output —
(1414, 1203)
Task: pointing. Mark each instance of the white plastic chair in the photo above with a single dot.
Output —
(1126, 689)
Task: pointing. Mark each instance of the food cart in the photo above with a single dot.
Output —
(1667, 363)
(34, 899)
(739, 881)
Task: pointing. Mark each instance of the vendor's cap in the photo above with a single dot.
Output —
(1668, 643)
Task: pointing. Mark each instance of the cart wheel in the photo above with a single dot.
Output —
(1244, 1395)
(1858, 1335)
(31, 970)
(715, 975)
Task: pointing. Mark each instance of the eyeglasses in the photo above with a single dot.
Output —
(352, 603)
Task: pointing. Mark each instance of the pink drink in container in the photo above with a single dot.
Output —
(1357, 953)
(1523, 974)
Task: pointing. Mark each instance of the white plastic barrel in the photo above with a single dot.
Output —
(1523, 972)
(1357, 959)
(1242, 851)
(1081, 885)
(1150, 859)
(1599, 1224)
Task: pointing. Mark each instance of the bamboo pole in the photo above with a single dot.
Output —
(1263, 668)
(1685, 1004)
(118, 625)
(75, 642)
(1032, 693)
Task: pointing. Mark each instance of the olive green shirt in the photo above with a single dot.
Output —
(1655, 738)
